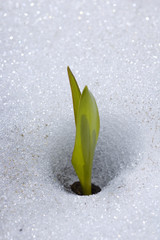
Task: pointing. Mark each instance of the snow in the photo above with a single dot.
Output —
(114, 48)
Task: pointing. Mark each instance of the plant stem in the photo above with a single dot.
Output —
(86, 187)
(86, 190)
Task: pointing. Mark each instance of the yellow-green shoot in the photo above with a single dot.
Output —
(87, 130)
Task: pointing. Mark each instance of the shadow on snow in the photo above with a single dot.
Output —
(116, 150)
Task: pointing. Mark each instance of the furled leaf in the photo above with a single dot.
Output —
(76, 94)
(87, 130)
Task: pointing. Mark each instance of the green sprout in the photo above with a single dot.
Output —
(87, 130)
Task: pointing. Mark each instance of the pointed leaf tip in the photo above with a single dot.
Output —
(76, 94)
(68, 69)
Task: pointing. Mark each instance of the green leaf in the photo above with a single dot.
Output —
(87, 130)
(76, 94)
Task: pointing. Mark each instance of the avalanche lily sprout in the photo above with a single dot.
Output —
(87, 130)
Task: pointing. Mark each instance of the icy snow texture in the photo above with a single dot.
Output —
(114, 48)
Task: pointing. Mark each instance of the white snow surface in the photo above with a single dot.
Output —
(113, 47)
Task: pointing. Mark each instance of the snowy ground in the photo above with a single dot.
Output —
(114, 48)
